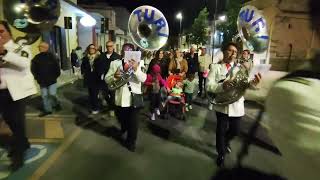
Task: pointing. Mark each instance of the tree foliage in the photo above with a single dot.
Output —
(229, 28)
(199, 29)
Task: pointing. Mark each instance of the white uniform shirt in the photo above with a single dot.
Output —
(293, 121)
(218, 72)
(123, 95)
(15, 74)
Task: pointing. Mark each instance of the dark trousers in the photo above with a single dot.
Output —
(128, 119)
(227, 129)
(189, 98)
(154, 101)
(13, 112)
(202, 82)
(108, 95)
(93, 97)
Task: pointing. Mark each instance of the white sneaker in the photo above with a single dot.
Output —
(158, 112)
(190, 106)
(210, 107)
(94, 112)
(153, 116)
(187, 109)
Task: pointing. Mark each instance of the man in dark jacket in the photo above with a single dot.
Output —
(193, 62)
(46, 70)
(110, 56)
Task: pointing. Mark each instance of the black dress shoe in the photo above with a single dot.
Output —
(58, 107)
(220, 161)
(131, 147)
(17, 160)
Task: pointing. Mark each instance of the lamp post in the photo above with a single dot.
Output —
(179, 16)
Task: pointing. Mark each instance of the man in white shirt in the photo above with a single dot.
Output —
(228, 116)
(126, 114)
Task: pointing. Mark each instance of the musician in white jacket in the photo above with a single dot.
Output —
(16, 84)
(126, 114)
(228, 116)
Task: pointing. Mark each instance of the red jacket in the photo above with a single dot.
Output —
(148, 81)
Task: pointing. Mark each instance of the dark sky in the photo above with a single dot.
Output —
(189, 8)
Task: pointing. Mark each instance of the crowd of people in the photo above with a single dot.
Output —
(290, 105)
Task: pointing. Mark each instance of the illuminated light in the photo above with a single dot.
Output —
(19, 7)
(223, 17)
(88, 21)
(179, 15)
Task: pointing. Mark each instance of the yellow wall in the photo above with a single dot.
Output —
(73, 38)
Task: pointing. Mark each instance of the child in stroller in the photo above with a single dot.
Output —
(176, 99)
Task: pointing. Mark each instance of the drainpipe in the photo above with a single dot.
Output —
(290, 55)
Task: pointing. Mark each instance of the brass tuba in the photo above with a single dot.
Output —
(252, 28)
(149, 30)
(31, 17)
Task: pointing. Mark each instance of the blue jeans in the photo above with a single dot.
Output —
(49, 97)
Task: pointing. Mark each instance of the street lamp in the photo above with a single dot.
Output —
(223, 18)
(179, 16)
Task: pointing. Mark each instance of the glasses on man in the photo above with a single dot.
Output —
(109, 46)
(92, 48)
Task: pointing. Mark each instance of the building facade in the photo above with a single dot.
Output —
(61, 39)
(292, 39)
(113, 32)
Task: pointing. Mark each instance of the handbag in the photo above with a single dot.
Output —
(137, 100)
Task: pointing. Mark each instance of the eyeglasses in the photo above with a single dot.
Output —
(92, 48)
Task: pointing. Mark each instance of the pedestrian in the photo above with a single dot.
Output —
(110, 55)
(46, 70)
(189, 88)
(126, 112)
(93, 69)
(154, 83)
(204, 63)
(16, 85)
(193, 61)
(178, 65)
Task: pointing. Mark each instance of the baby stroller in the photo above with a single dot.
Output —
(173, 106)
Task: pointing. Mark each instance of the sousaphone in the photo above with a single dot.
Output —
(149, 30)
(253, 31)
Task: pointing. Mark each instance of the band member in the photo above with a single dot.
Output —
(16, 84)
(126, 114)
(293, 111)
(228, 116)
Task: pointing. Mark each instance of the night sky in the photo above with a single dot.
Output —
(189, 8)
